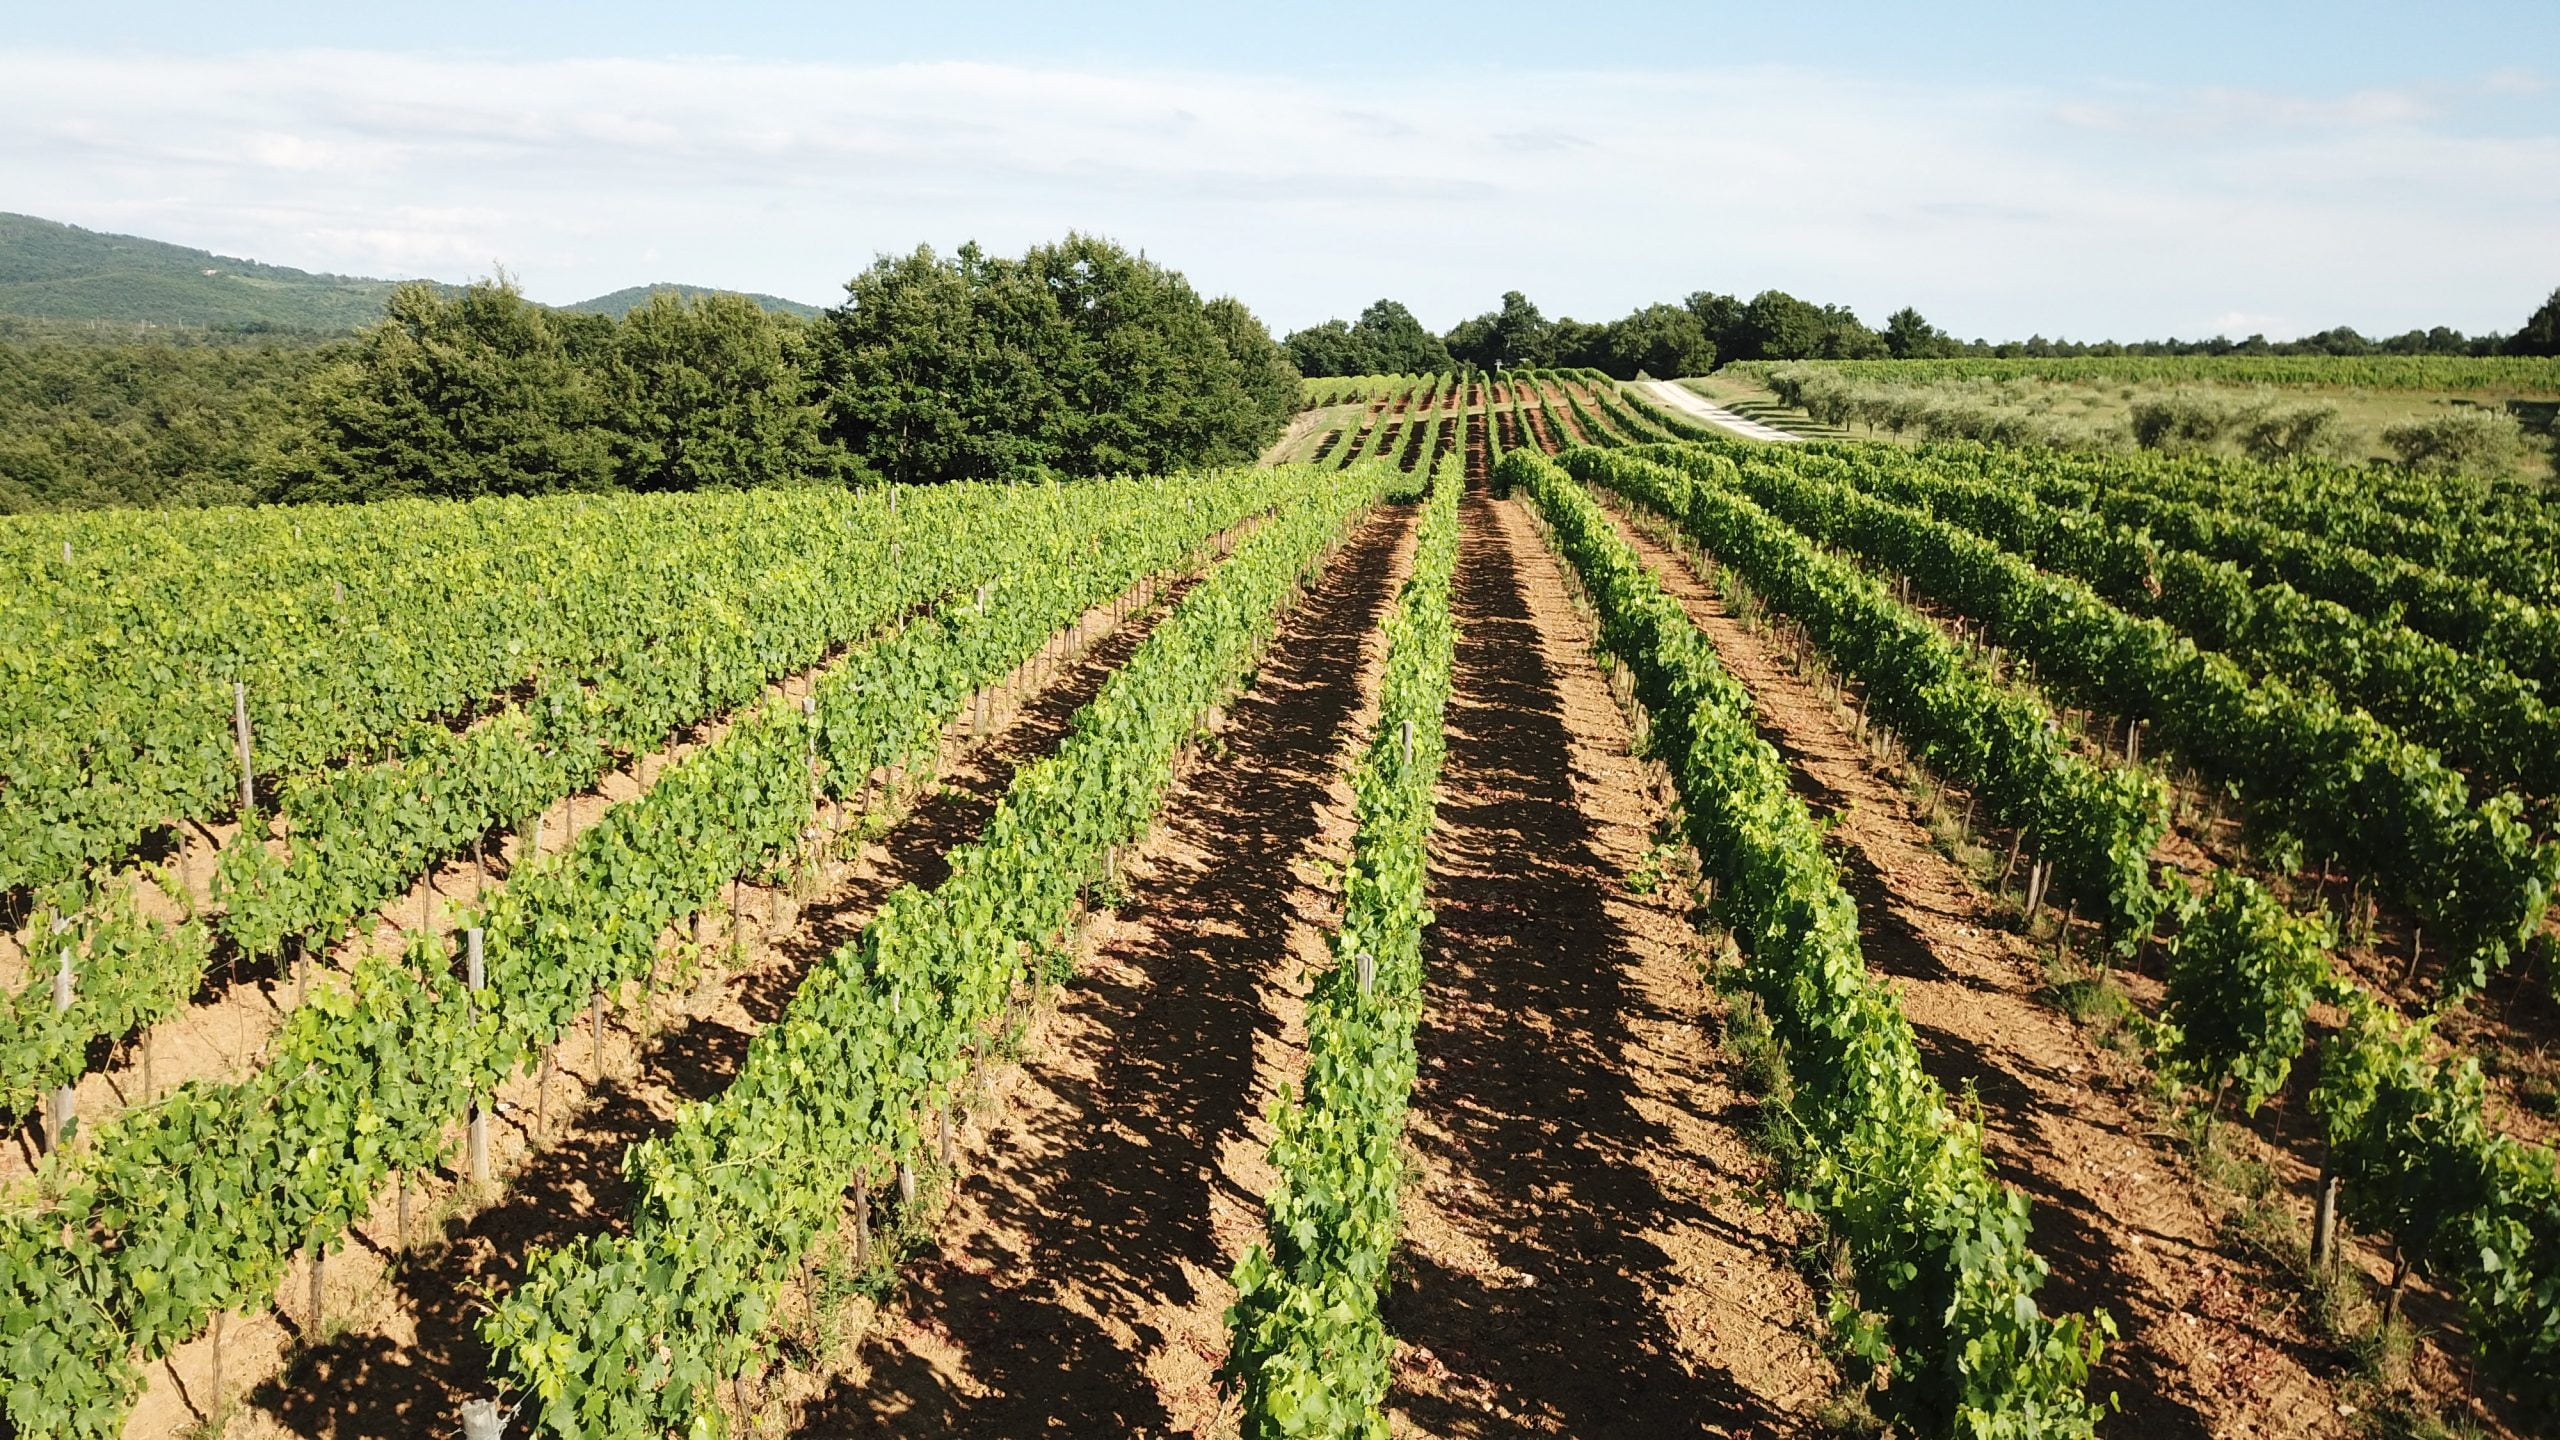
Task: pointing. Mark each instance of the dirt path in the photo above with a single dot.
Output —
(1294, 436)
(1592, 1248)
(2206, 1348)
(1685, 401)
(1082, 1283)
(398, 1352)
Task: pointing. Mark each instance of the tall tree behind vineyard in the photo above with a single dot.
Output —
(1080, 358)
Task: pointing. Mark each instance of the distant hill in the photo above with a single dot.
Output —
(62, 275)
(629, 296)
(61, 272)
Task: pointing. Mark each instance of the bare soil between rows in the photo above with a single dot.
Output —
(1081, 1284)
(1592, 1245)
(2211, 1344)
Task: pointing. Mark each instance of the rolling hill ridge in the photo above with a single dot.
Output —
(55, 272)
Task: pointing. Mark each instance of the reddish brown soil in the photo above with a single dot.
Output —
(1359, 443)
(1592, 1247)
(2209, 1346)
(1540, 433)
(1558, 416)
(1387, 439)
(1082, 1282)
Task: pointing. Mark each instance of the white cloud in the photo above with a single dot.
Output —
(1996, 211)
(2220, 112)
(2245, 323)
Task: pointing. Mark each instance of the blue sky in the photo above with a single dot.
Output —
(2010, 168)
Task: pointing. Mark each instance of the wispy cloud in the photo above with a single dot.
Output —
(2244, 323)
(1996, 211)
(2247, 113)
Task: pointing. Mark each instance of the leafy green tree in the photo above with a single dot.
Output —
(1778, 326)
(1576, 344)
(1470, 342)
(1663, 341)
(2273, 433)
(1720, 316)
(1522, 335)
(2540, 334)
(86, 424)
(1910, 336)
(939, 370)
(1079, 359)
(1513, 336)
(1329, 349)
(479, 394)
(2441, 340)
(1397, 343)
(1266, 380)
(1146, 383)
(711, 392)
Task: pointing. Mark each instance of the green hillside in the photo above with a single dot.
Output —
(629, 296)
(61, 272)
(62, 275)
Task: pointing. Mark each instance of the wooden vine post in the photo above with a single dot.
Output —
(240, 740)
(2324, 1220)
(817, 790)
(476, 975)
(59, 1106)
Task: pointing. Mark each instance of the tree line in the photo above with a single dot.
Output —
(1709, 329)
(1078, 358)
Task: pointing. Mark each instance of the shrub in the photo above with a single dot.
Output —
(2180, 422)
(2467, 439)
(2297, 432)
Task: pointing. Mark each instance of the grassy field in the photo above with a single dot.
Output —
(2098, 413)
